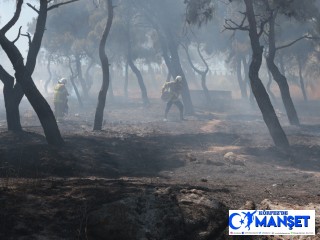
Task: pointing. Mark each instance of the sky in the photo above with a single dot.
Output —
(7, 9)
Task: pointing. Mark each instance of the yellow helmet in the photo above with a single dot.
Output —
(178, 79)
(63, 81)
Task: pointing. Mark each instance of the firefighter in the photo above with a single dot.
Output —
(60, 99)
(170, 94)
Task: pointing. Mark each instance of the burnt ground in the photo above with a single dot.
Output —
(50, 190)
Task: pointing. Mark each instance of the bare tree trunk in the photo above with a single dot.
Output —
(260, 93)
(138, 74)
(11, 104)
(110, 93)
(203, 73)
(269, 86)
(76, 91)
(72, 77)
(126, 80)
(278, 77)
(98, 119)
(88, 76)
(80, 76)
(281, 65)
(136, 71)
(241, 82)
(304, 93)
(205, 88)
(245, 64)
(50, 75)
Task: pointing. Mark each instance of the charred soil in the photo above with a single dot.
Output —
(48, 192)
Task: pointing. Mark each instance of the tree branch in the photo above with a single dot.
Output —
(28, 36)
(14, 41)
(60, 4)
(229, 24)
(14, 19)
(262, 24)
(293, 42)
(33, 8)
(202, 58)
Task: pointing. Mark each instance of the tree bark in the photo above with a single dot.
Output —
(304, 93)
(11, 105)
(110, 94)
(88, 76)
(98, 119)
(278, 77)
(126, 81)
(203, 73)
(11, 93)
(138, 74)
(136, 71)
(50, 75)
(242, 83)
(260, 93)
(72, 77)
(80, 76)
(269, 86)
(245, 64)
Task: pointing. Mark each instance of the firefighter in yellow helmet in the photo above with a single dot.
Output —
(60, 99)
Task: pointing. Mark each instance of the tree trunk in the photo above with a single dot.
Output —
(205, 89)
(269, 87)
(136, 71)
(50, 75)
(278, 77)
(126, 81)
(281, 65)
(241, 82)
(202, 73)
(11, 105)
(72, 77)
(138, 74)
(88, 76)
(285, 93)
(76, 91)
(304, 93)
(98, 119)
(110, 93)
(40, 105)
(245, 64)
(260, 93)
(80, 76)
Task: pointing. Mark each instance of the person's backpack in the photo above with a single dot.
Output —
(166, 94)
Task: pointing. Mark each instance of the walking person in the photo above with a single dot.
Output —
(170, 94)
